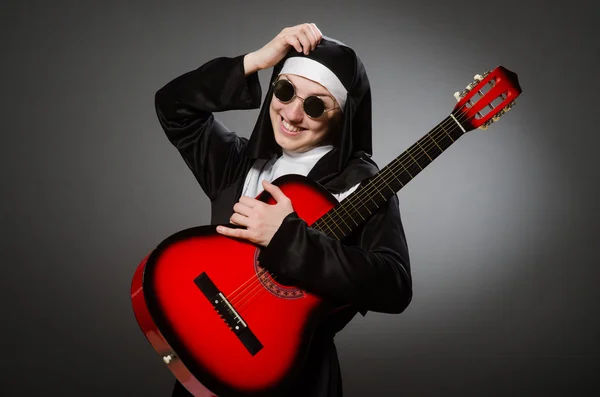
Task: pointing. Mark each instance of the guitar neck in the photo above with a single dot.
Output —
(364, 201)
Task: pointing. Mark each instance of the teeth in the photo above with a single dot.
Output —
(289, 127)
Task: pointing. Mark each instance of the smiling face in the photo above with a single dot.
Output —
(294, 130)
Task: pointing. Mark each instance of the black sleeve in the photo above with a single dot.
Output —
(184, 108)
(372, 273)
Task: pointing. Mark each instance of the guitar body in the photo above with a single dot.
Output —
(175, 296)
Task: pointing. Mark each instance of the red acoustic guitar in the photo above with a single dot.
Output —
(207, 306)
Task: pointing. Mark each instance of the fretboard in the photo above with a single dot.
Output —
(374, 192)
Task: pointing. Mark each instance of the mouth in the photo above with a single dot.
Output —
(289, 129)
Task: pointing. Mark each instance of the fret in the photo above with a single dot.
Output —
(445, 141)
(357, 211)
(432, 147)
(325, 222)
(399, 181)
(347, 213)
(342, 218)
(424, 151)
(436, 144)
(315, 225)
(377, 190)
(414, 170)
(394, 176)
(319, 226)
(386, 184)
(393, 172)
(415, 161)
(405, 169)
(447, 133)
(335, 223)
(374, 202)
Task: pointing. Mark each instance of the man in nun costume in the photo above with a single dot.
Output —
(315, 121)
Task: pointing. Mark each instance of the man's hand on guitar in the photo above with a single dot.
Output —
(261, 220)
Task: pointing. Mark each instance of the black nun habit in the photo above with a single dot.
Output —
(368, 270)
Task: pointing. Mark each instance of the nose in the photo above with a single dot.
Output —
(294, 111)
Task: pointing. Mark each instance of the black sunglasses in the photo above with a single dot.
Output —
(314, 106)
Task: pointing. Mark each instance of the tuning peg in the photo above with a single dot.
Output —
(478, 77)
(485, 125)
(506, 108)
(459, 95)
(509, 106)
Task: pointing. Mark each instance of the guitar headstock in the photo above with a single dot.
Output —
(487, 98)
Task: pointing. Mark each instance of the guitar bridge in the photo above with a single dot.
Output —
(230, 316)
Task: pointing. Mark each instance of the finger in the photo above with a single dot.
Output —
(274, 191)
(293, 41)
(304, 39)
(318, 32)
(242, 209)
(249, 201)
(239, 220)
(312, 35)
(237, 233)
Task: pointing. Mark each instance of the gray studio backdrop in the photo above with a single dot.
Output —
(501, 228)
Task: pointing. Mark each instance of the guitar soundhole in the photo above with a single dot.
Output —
(275, 285)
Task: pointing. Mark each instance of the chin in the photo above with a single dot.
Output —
(285, 142)
(289, 146)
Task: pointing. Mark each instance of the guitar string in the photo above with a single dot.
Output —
(379, 184)
(336, 219)
(257, 281)
(367, 190)
(232, 297)
(257, 288)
